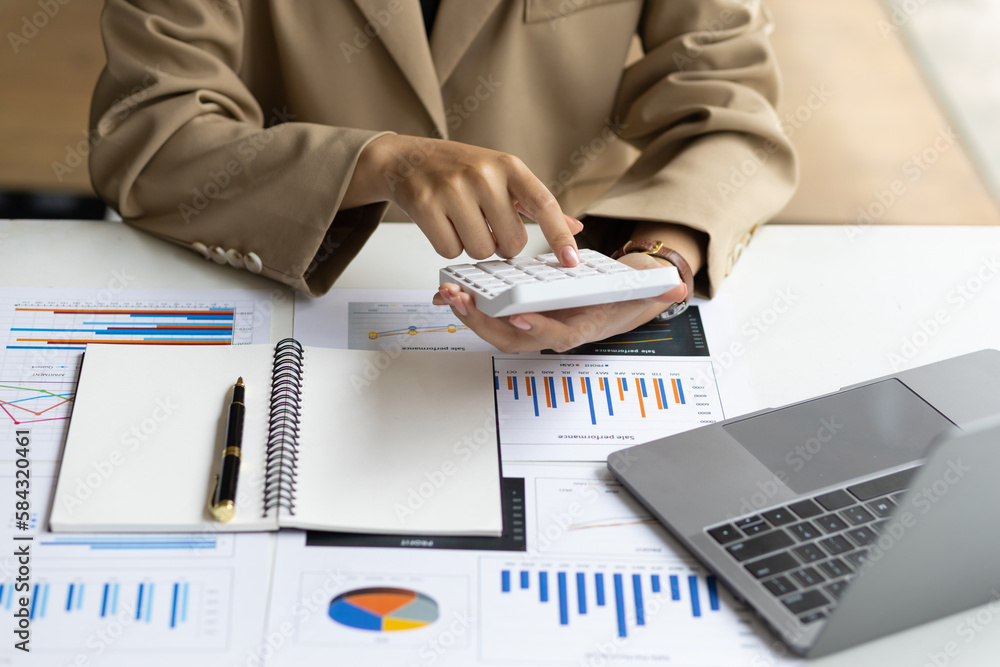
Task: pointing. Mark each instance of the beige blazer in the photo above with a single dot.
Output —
(232, 127)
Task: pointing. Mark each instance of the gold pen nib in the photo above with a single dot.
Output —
(239, 381)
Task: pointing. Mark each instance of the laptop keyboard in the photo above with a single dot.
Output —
(804, 553)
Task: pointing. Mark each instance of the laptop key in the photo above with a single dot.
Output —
(835, 500)
(836, 544)
(835, 568)
(746, 521)
(725, 534)
(836, 589)
(757, 528)
(857, 515)
(765, 567)
(856, 559)
(809, 553)
(760, 545)
(831, 523)
(806, 509)
(882, 507)
(804, 531)
(862, 535)
(812, 617)
(807, 576)
(779, 517)
(780, 585)
(897, 481)
(800, 603)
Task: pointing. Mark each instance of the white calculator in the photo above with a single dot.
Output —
(536, 284)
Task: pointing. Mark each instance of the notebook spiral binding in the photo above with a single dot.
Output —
(283, 427)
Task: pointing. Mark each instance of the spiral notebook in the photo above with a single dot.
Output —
(346, 440)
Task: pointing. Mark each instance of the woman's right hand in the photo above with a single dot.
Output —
(462, 197)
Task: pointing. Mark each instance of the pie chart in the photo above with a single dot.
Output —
(383, 609)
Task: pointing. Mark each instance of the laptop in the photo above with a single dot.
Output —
(848, 516)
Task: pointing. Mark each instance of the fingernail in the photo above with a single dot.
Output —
(569, 256)
(572, 219)
(521, 324)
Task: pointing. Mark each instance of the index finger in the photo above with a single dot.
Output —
(542, 206)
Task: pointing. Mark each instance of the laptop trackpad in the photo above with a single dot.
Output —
(836, 438)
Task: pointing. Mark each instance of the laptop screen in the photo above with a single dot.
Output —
(836, 438)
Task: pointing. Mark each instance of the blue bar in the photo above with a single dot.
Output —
(10, 597)
(713, 593)
(569, 385)
(34, 599)
(534, 394)
(79, 597)
(590, 397)
(695, 602)
(543, 586)
(207, 316)
(620, 605)
(680, 390)
(496, 383)
(563, 603)
(607, 395)
(138, 607)
(149, 602)
(1, 593)
(552, 389)
(663, 394)
(524, 579)
(642, 385)
(581, 593)
(505, 581)
(173, 607)
(184, 603)
(675, 588)
(623, 384)
(640, 616)
(69, 599)
(45, 599)
(599, 584)
(104, 602)
(656, 583)
(515, 387)
(114, 600)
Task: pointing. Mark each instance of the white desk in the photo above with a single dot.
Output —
(817, 308)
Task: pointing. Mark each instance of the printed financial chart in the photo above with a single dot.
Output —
(584, 408)
(43, 334)
(408, 326)
(110, 595)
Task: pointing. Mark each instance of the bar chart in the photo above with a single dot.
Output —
(570, 403)
(153, 609)
(44, 332)
(573, 609)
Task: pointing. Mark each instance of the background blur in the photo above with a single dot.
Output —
(872, 89)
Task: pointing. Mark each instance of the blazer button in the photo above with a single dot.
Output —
(235, 258)
(218, 255)
(252, 262)
(201, 249)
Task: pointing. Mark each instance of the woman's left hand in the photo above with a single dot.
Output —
(560, 330)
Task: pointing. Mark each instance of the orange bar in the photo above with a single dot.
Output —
(656, 390)
(510, 383)
(527, 384)
(621, 390)
(583, 386)
(565, 388)
(105, 311)
(673, 383)
(600, 383)
(638, 393)
(548, 395)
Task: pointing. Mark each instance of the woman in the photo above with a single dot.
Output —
(276, 135)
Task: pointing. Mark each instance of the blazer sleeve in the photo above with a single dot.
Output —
(183, 150)
(699, 106)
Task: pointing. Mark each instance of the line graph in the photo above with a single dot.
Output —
(408, 326)
(24, 404)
